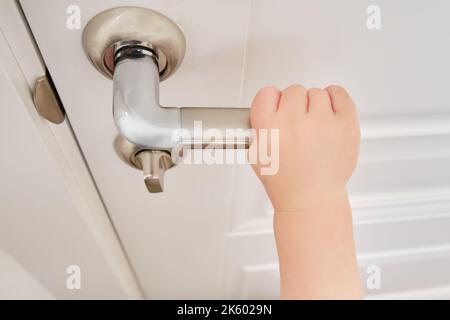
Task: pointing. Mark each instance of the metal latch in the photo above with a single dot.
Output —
(47, 102)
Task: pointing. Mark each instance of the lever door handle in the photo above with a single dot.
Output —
(137, 48)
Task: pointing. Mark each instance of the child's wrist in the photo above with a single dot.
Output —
(311, 199)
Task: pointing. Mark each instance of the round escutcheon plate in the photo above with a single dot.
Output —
(143, 25)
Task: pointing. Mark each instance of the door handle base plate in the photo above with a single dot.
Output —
(114, 26)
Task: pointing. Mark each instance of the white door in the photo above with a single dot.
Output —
(209, 234)
(56, 240)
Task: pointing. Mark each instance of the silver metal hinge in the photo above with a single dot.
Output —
(47, 102)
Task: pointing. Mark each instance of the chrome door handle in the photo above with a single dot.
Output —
(137, 48)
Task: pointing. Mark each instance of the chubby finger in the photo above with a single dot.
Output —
(319, 102)
(341, 101)
(264, 106)
(294, 100)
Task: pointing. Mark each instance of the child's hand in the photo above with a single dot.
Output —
(318, 149)
(318, 144)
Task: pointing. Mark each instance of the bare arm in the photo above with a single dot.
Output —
(316, 252)
(318, 146)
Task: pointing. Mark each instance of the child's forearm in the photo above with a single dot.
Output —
(318, 148)
(316, 250)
